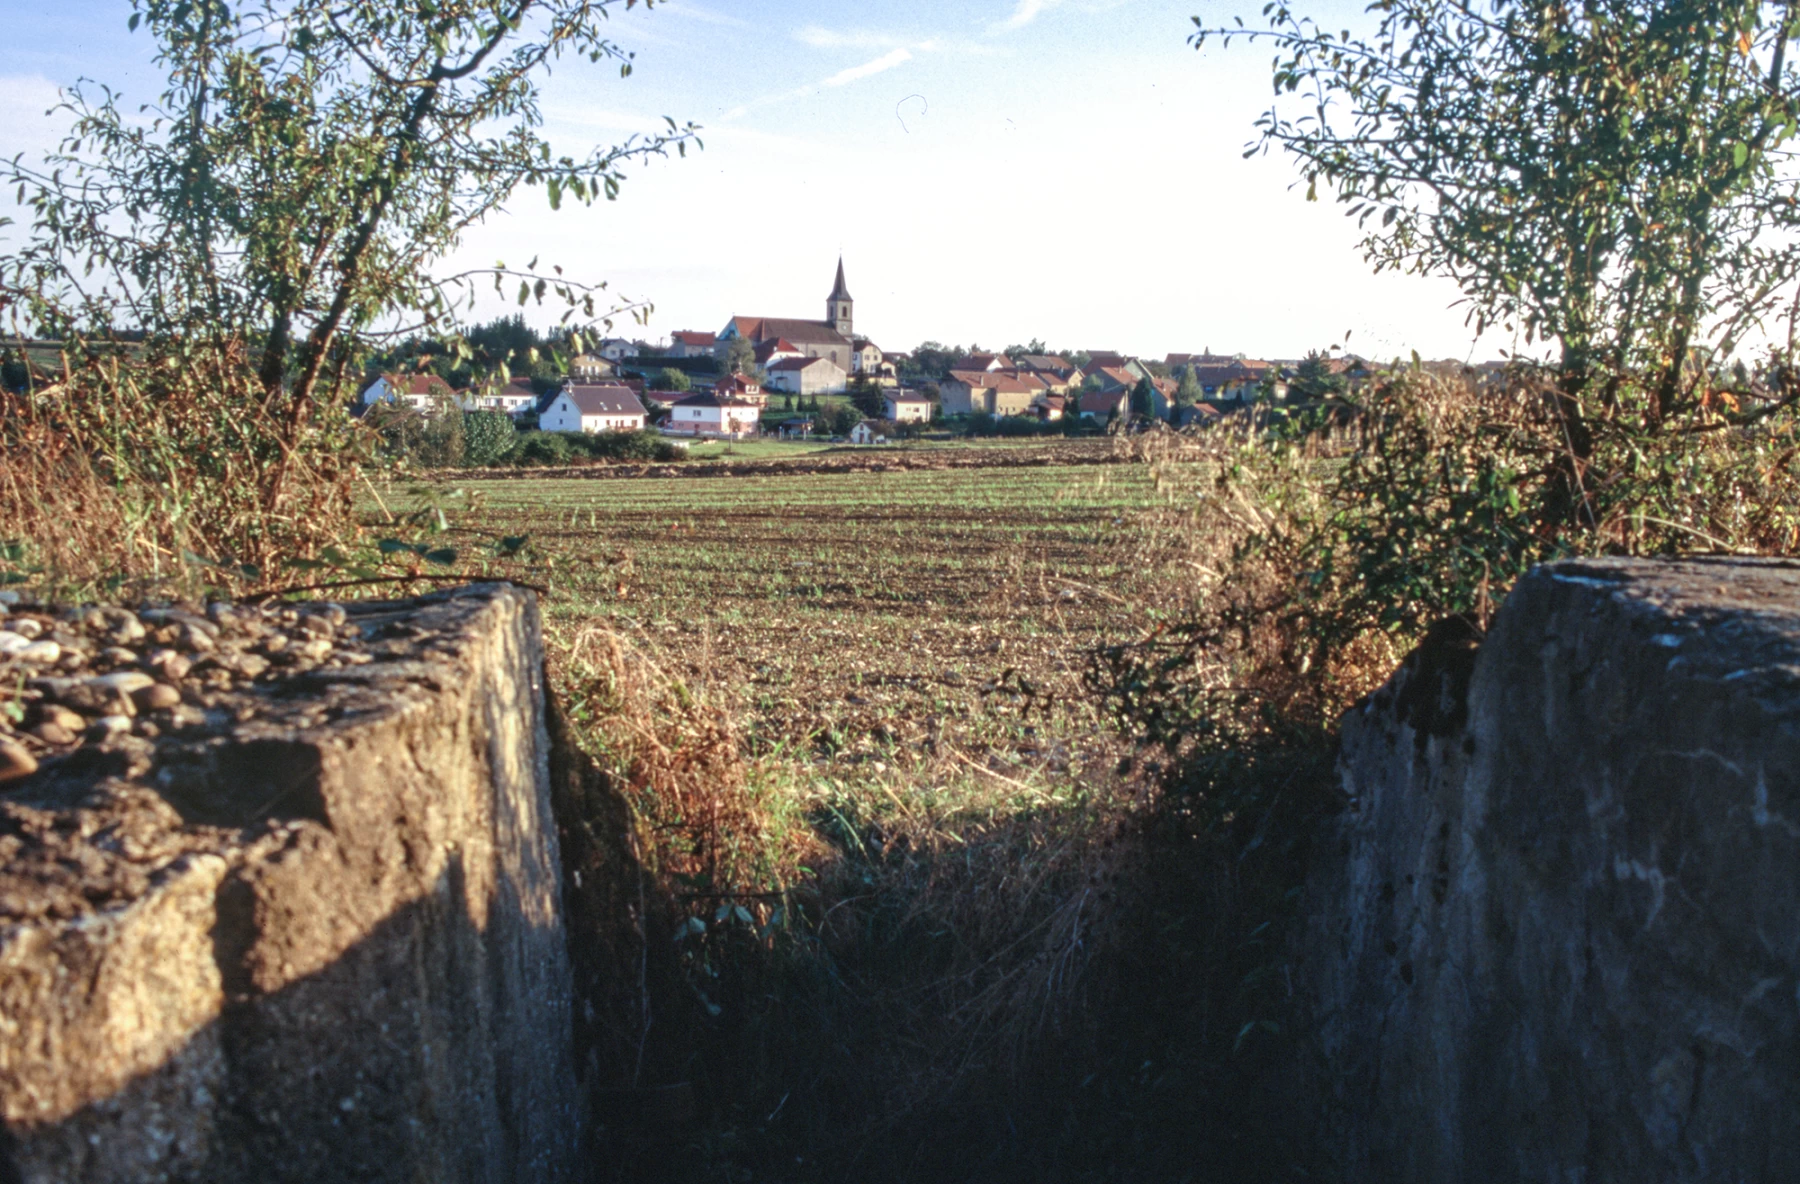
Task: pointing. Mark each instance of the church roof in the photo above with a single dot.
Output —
(839, 291)
(760, 329)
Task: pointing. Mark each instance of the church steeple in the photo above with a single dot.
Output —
(838, 305)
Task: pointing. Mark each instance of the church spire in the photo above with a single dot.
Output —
(838, 305)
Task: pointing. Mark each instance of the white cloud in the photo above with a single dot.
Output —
(1023, 14)
(886, 61)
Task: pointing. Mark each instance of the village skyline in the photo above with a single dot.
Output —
(991, 173)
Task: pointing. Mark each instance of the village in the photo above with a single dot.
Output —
(793, 378)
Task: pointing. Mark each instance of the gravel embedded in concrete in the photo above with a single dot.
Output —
(113, 723)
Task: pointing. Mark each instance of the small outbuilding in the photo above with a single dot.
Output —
(869, 431)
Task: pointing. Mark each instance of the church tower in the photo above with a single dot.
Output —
(839, 304)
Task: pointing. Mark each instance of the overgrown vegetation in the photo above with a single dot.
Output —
(219, 266)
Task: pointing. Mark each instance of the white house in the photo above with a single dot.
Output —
(593, 409)
(587, 367)
(708, 414)
(421, 392)
(907, 407)
(807, 376)
(865, 357)
(614, 348)
(515, 398)
(869, 431)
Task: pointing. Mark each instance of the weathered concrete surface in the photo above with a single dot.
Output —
(363, 977)
(1557, 934)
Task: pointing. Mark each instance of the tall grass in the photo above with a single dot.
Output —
(165, 471)
(878, 962)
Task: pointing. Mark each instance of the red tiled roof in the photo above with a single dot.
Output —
(416, 384)
(759, 329)
(694, 337)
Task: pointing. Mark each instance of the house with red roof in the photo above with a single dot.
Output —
(711, 415)
(990, 392)
(687, 343)
(421, 392)
(740, 386)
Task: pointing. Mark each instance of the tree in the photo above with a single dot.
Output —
(1613, 176)
(1314, 378)
(932, 360)
(866, 397)
(1189, 391)
(739, 356)
(838, 419)
(671, 379)
(309, 166)
(1143, 399)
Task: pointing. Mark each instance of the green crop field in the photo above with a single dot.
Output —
(853, 609)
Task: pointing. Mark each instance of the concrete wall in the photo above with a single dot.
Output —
(1556, 934)
(366, 978)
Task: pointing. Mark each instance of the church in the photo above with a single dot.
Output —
(832, 339)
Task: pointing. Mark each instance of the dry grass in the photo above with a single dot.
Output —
(163, 474)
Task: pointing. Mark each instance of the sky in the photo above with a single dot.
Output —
(990, 170)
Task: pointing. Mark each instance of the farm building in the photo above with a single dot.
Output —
(807, 376)
(907, 407)
(713, 415)
(593, 409)
(869, 431)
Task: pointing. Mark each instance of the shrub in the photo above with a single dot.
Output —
(671, 379)
(487, 436)
(540, 448)
(1330, 554)
(561, 448)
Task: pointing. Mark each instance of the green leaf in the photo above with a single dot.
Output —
(1740, 152)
